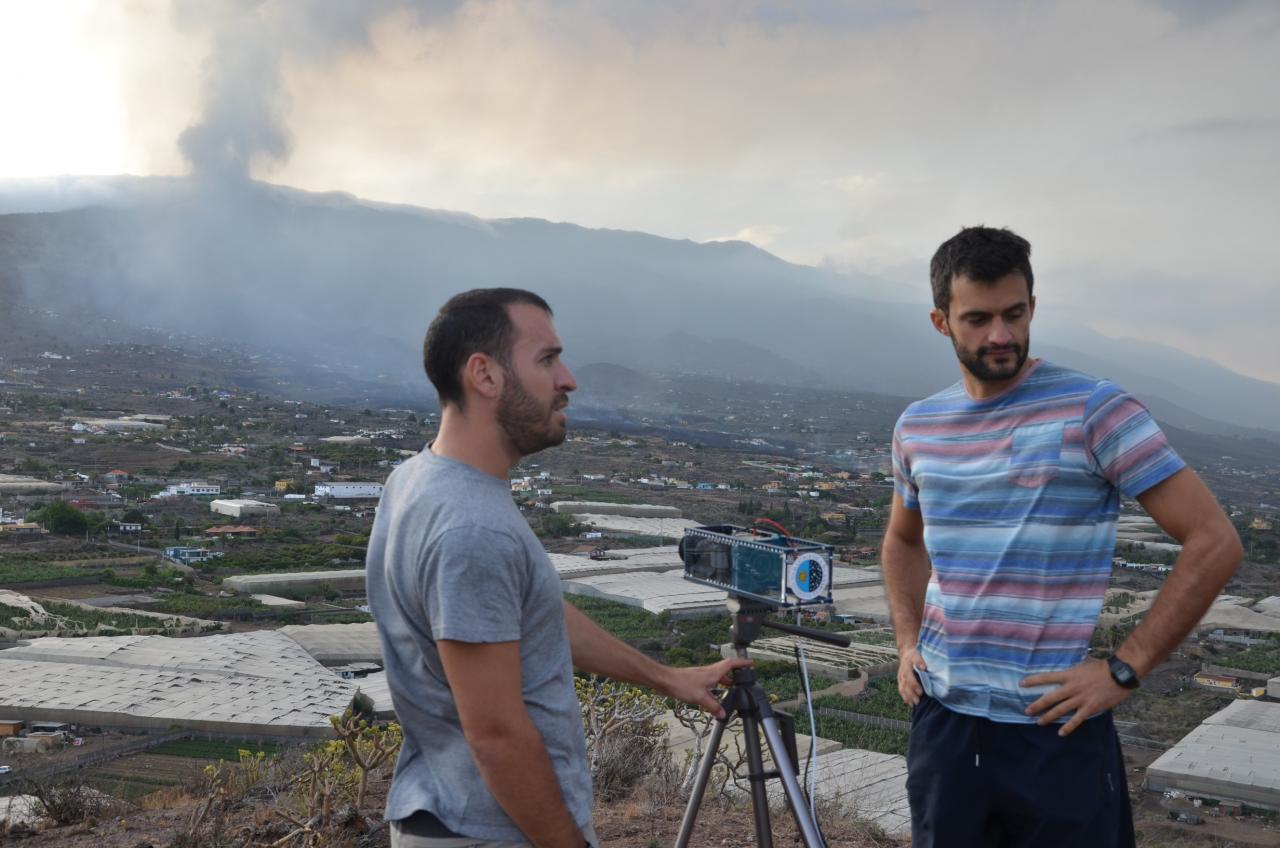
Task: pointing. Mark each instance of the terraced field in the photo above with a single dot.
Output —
(141, 774)
(215, 749)
(171, 764)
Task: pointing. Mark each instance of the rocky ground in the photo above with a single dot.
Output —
(647, 818)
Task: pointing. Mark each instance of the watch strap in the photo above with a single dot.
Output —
(1122, 673)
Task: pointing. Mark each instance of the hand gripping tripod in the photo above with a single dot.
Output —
(748, 701)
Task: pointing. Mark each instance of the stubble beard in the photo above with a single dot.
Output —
(975, 362)
(526, 422)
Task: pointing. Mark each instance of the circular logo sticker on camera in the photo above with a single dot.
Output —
(809, 577)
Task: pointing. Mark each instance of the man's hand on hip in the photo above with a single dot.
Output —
(908, 683)
(1087, 689)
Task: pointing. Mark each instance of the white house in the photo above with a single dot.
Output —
(194, 490)
(238, 507)
(348, 491)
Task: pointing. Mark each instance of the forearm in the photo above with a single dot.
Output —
(515, 767)
(1204, 566)
(597, 651)
(906, 570)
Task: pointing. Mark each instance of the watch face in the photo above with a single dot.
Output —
(1122, 673)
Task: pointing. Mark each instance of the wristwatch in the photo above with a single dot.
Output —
(1122, 673)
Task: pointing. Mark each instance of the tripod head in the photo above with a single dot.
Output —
(749, 616)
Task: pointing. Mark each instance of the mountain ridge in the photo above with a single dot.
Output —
(354, 283)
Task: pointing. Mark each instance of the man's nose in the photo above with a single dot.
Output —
(1000, 333)
(567, 381)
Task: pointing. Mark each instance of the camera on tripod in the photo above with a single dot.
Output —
(763, 571)
(765, 566)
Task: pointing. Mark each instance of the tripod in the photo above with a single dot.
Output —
(747, 700)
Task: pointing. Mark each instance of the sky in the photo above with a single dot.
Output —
(1134, 142)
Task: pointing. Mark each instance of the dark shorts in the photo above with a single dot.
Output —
(976, 783)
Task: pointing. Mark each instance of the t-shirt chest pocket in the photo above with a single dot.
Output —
(1034, 456)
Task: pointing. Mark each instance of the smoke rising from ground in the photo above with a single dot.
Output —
(244, 104)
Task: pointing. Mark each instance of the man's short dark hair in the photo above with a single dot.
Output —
(983, 254)
(475, 321)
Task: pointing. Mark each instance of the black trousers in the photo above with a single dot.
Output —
(976, 783)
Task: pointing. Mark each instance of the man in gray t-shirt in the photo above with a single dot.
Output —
(478, 644)
(451, 557)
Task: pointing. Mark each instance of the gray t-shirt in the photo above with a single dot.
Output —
(450, 557)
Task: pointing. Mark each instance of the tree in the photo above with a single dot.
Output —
(813, 527)
(623, 734)
(61, 517)
(560, 524)
(368, 745)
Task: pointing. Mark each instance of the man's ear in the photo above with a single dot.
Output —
(482, 376)
(939, 320)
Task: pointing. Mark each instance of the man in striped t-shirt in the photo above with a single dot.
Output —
(996, 560)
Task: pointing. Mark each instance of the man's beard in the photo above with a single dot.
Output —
(527, 423)
(976, 362)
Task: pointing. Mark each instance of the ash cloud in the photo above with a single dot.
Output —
(244, 101)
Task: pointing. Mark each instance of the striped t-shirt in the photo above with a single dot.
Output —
(1019, 494)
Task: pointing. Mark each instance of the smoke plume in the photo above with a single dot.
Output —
(244, 104)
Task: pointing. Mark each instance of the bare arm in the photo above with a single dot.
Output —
(1185, 509)
(600, 652)
(508, 749)
(904, 562)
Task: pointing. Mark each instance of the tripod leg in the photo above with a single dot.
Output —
(795, 795)
(700, 783)
(755, 773)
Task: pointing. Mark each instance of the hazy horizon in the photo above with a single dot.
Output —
(1132, 143)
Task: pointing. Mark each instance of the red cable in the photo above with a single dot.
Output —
(772, 523)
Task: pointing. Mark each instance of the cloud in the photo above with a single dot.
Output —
(1134, 139)
(761, 235)
(1196, 13)
(1227, 126)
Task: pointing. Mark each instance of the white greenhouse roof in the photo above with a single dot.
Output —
(672, 528)
(337, 644)
(1232, 612)
(870, 785)
(657, 593)
(578, 565)
(1268, 606)
(256, 682)
(666, 555)
(251, 583)
(620, 560)
(1234, 754)
(610, 508)
(864, 601)
(848, 575)
(277, 602)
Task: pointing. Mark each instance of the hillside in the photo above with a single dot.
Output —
(333, 281)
